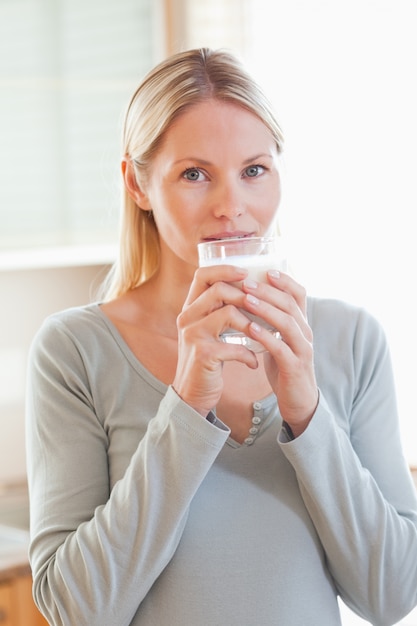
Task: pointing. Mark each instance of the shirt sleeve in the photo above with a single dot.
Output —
(95, 570)
(356, 485)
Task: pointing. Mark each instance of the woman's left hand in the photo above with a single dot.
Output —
(289, 360)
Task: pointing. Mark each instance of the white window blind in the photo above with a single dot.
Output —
(67, 68)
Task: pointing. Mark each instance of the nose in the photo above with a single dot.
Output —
(229, 201)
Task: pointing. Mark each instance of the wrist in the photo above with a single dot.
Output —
(295, 428)
(202, 411)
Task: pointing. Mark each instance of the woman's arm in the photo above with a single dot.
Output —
(353, 476)
(96, 550)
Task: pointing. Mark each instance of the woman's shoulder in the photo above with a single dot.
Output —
(331, 308)
(331, 316)
(73, 318)
(77, 325)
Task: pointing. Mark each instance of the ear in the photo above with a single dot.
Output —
(134, 190)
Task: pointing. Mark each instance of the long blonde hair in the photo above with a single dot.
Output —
(177, 83)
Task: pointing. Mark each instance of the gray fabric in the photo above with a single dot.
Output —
(143, 512)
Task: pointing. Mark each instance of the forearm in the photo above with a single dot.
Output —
(370, 545)
(98, 572)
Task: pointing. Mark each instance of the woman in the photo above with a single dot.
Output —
(176, 479)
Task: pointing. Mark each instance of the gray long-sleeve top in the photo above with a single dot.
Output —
(144, 513)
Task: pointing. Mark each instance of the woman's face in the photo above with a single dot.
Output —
(215, 176)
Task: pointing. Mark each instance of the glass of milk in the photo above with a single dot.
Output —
(257, 255)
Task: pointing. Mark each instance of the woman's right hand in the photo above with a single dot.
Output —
(212, 305)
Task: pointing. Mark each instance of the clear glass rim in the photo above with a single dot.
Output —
(233, 240)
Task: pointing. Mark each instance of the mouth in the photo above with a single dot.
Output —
(228, 235)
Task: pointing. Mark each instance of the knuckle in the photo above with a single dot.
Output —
(217, 289)
(181, 320)
(309, 336)
(302, 291)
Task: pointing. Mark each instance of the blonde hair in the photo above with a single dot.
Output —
(173, 86)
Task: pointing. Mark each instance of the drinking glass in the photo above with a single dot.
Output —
(257, 255)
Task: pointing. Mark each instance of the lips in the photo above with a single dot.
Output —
(228, 235)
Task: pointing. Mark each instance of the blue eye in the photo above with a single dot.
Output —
(192, 174)
(254, 170)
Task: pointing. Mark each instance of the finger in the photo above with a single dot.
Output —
(271, 340)
(283, 313)
(205, 277)
(236, 352)
(282, 291)
(211, 321)
(218, 296)
(204, 335)
(288, 342)
(282, 282)
(287, 284)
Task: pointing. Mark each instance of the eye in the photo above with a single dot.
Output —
(254, 170)
(193, 174)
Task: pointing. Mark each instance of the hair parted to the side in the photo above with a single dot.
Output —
(173, 86)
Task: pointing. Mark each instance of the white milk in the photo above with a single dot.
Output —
(257, 265)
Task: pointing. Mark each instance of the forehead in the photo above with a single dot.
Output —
(214, 121)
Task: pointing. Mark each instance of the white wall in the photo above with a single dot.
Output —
(27, 297)
(342, 77)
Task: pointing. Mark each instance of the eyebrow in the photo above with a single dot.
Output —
(262, 155)
(251, 159)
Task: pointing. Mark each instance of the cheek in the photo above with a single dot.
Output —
(269, 203)
(276, 197)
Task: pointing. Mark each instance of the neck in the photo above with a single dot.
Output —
(171, 282)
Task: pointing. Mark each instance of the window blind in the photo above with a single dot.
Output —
(67, 69)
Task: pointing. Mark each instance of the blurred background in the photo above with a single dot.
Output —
(341, 75)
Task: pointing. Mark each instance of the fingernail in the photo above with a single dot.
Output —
(274, 273)
(252, 299)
